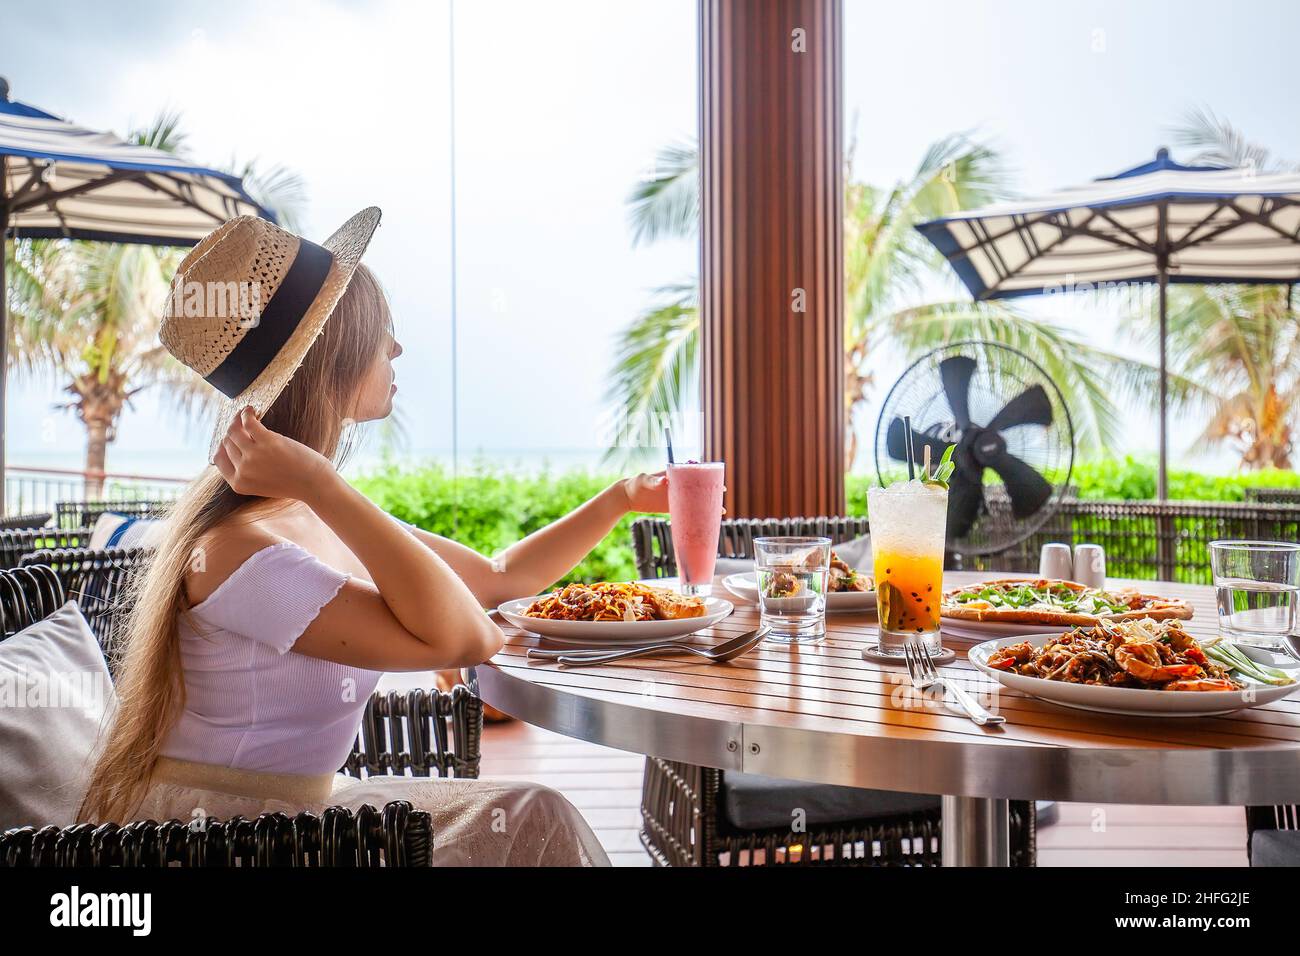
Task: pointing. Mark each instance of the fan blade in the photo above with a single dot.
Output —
(895, 444)
(956, 374)
(1030, 407)
(964, 500)
(1027, 489)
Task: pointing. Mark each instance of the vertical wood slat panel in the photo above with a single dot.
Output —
(771, 148)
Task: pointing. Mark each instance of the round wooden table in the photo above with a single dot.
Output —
(821, 712)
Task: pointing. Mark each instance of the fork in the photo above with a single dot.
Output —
(920, 667)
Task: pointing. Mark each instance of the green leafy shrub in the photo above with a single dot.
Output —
(493, 508)
(488, 510)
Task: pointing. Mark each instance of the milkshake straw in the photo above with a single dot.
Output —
(911, 455)
(668, 437)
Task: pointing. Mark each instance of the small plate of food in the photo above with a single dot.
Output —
(1138, 666)
(847, 589)
(1016, 606)
(614, 613)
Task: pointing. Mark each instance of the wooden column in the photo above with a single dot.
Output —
(772, 266)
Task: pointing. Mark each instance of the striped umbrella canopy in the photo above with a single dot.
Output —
(1159, 222)
(59, 180)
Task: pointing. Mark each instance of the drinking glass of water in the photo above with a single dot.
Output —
(792, 573)
(1256, 584)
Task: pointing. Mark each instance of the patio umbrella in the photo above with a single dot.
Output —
(1160, 222)
(59, 180)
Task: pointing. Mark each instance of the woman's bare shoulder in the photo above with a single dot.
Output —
(221, 551)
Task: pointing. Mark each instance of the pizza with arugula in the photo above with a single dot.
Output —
(1054, 602)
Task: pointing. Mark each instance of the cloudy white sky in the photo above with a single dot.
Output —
(560, 106)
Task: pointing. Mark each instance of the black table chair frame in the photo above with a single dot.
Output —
(682, 823)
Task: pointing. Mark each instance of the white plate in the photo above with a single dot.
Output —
(612, 632)
(1130, 701)
(745, 587)
(986, 630)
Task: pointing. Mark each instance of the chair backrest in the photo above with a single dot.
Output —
(397, 835)
(1273, 496)
(422, 733)
(27, 595)
(652, 540)
(84, 514)
(13, 522)
(98, 581)
(16, 543)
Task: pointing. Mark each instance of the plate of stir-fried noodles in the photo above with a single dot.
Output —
(1137, 667)
(614, 612)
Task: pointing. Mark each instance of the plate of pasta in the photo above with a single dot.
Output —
(614, 612)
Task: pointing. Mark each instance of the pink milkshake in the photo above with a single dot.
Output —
(695, 509)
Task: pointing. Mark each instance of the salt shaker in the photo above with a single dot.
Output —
(1090, 565)
(1056, 562)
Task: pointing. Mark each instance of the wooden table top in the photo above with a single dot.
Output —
(821, 712)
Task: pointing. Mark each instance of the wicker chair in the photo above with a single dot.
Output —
(420, 733)
(683, 814)
(1273, 496)
(17, 522)
(16, 543)
(1273, 835)
(398, 835)
(84, 514)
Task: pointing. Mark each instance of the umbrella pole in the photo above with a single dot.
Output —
(1162, 478)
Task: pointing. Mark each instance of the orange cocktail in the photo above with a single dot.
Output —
(908, 525)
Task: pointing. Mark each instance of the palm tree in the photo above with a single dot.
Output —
(1239, 344)
(888, 268)
(88, 312)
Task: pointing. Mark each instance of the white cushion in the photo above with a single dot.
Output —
(123, 531)
(55, 694)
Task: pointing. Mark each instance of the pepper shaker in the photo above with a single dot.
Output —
(1090, 565)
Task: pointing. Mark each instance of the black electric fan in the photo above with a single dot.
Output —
(1014, 438)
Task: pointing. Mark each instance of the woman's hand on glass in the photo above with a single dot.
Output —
(647, 493)
(257, 461)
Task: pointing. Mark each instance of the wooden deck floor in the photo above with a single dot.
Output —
(605, 785)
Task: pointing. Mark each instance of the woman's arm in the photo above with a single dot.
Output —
(417, 615)
(549, 553)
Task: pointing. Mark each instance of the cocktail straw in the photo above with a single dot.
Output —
(925, 461)
(911, 455)
(668, 438)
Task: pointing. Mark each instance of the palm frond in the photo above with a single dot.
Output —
(656, 365)
(666, 205)
(1219, 143)
(1097, 382)
(277, 188)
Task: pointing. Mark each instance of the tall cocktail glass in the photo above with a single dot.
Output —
(908, 526)
(695, 511)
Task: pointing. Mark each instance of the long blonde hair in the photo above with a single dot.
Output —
(312, 409)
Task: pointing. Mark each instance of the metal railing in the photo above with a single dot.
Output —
(31, 490)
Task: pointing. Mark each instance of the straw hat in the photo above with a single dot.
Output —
(248, 301)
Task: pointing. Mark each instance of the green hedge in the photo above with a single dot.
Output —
(496, 508)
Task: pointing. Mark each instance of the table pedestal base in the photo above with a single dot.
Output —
(976, 831)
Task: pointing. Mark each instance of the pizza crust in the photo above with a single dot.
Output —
(1157, 609)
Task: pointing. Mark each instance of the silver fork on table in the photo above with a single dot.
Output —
(920, 667)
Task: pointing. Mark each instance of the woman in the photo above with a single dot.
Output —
(280, 594)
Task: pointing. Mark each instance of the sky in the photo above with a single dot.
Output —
(559, 108)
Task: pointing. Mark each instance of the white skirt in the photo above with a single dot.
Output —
(474, 822)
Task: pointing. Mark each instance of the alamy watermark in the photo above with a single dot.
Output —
(241, 301)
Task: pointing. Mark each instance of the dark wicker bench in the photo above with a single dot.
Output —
(18, 522)
(684, 813)
(84, 514)
(418, 733)
(397, 835)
